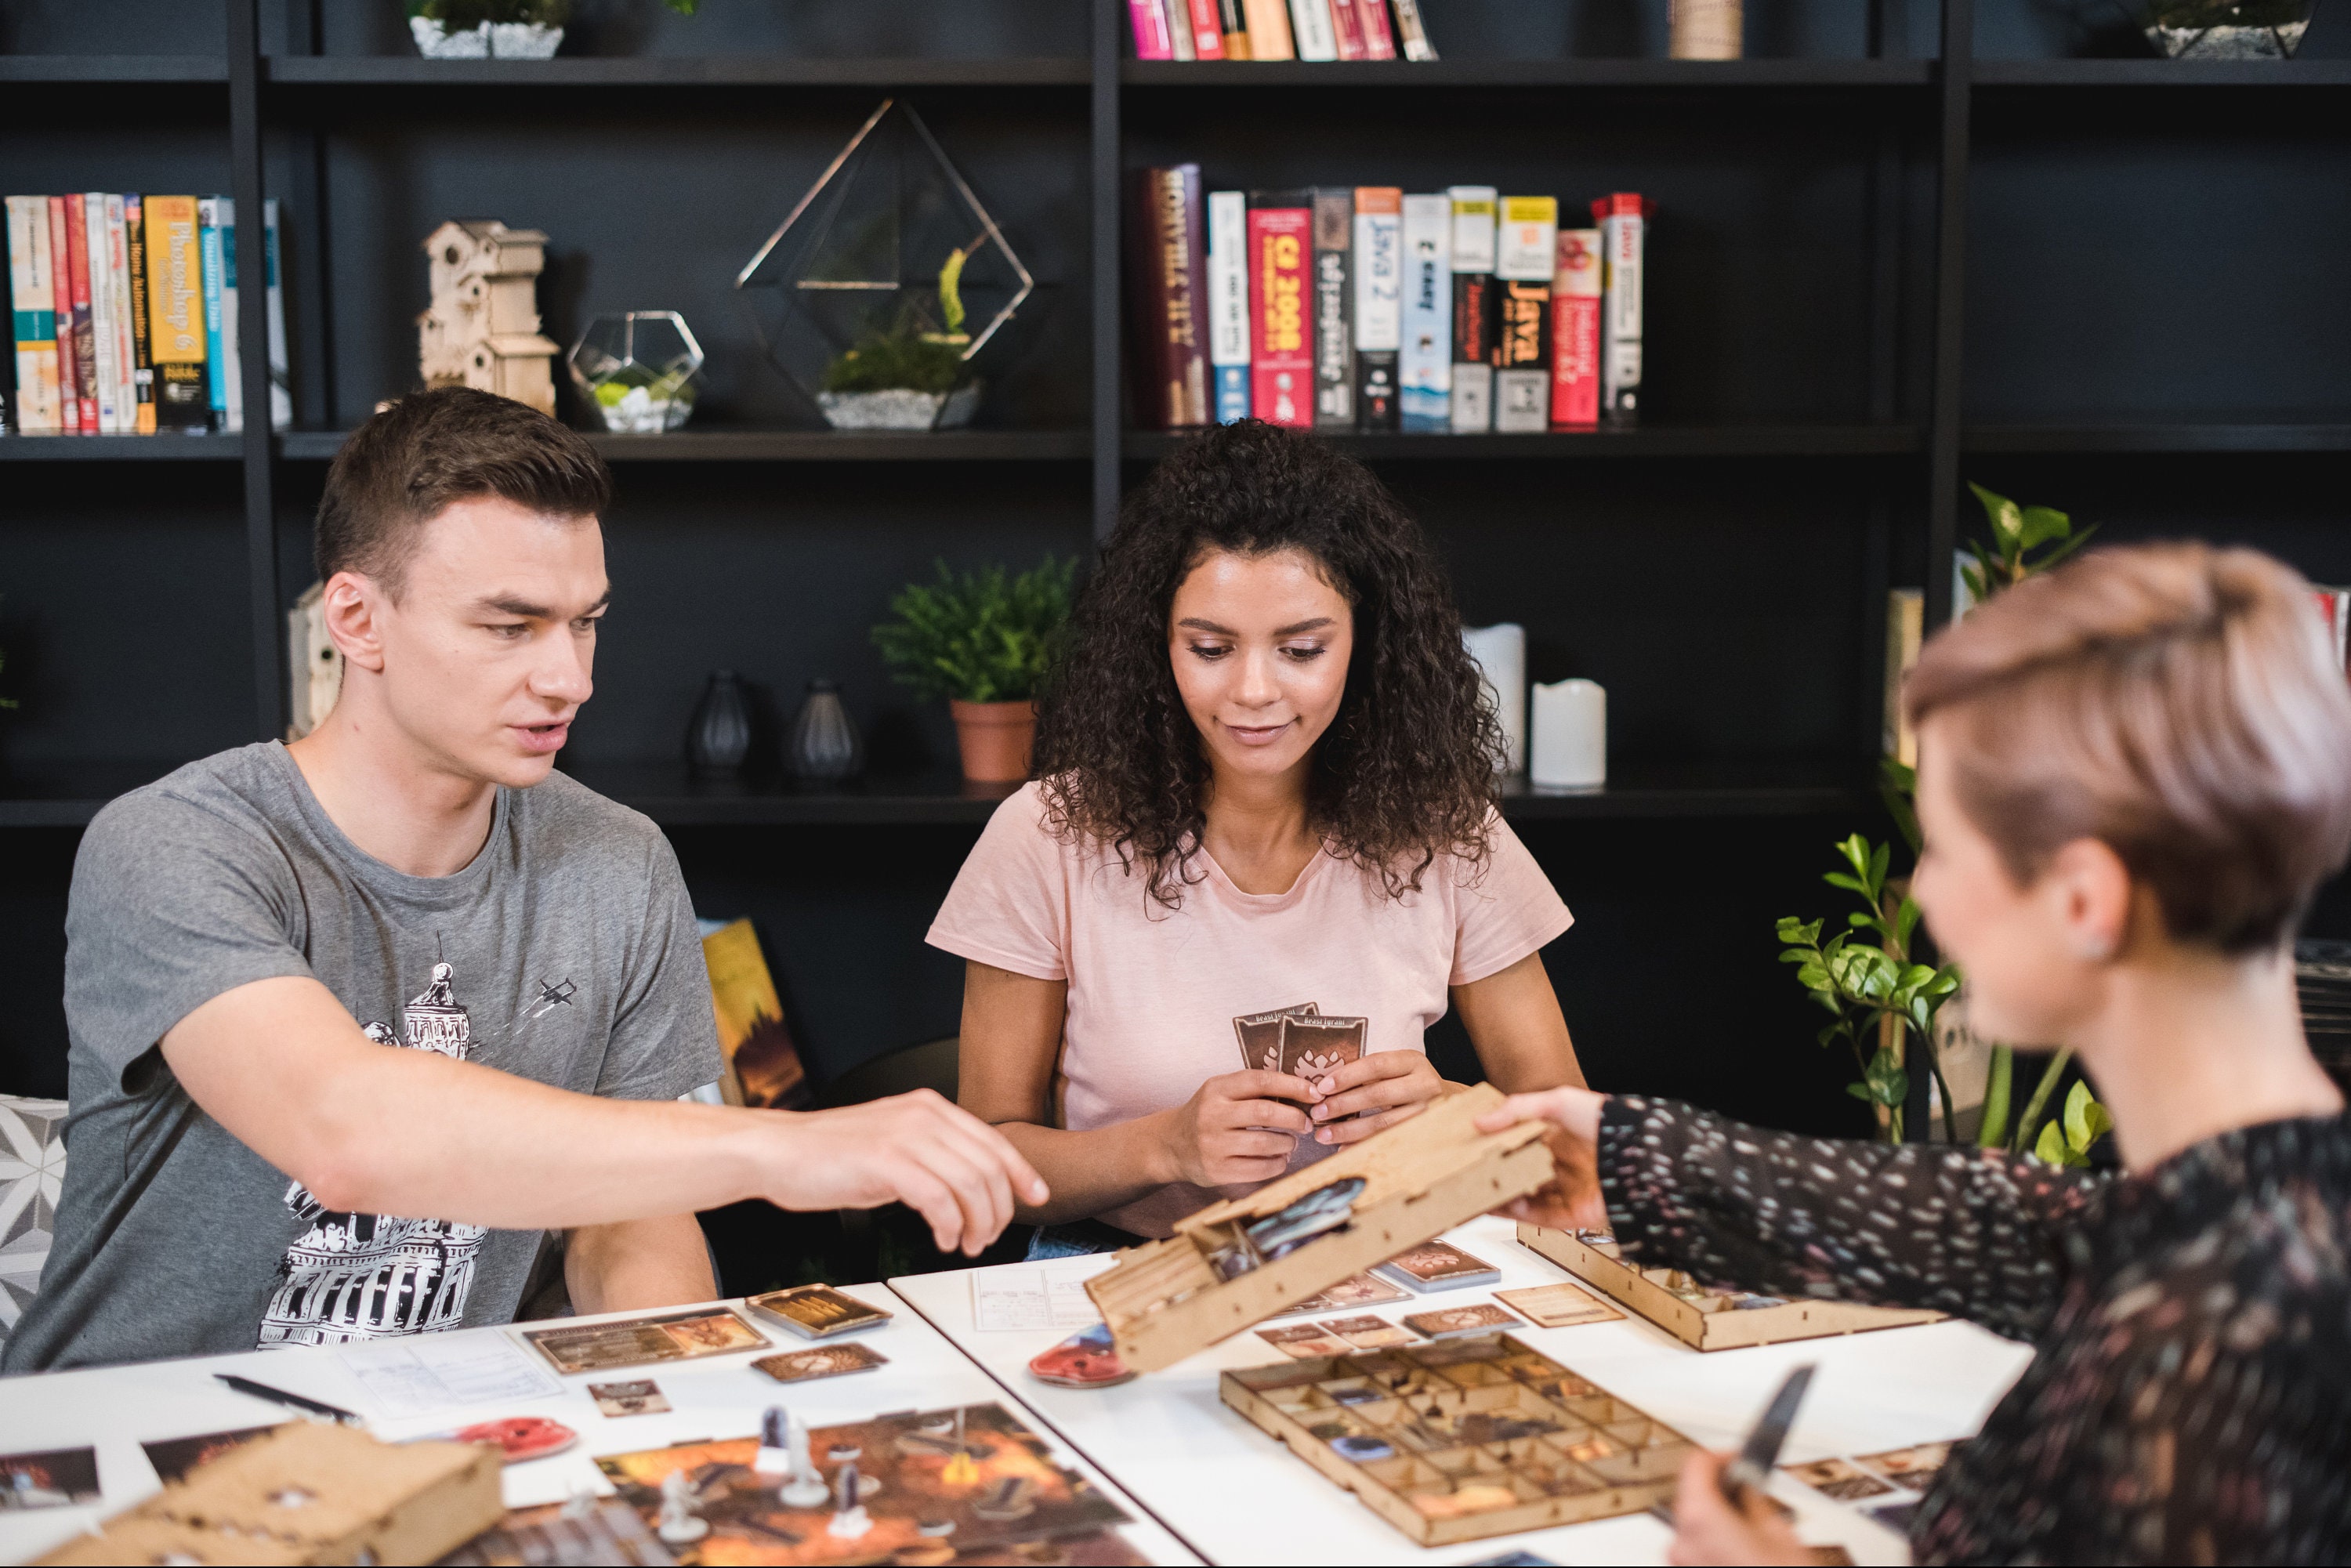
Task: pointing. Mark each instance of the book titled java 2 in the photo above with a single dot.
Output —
(1378, 279)
(1281, 344)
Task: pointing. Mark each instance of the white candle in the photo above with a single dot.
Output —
(1571, 735)
(1500, 652)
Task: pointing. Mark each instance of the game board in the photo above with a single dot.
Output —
(1703, 1319)
(933, 1484)
(1464, 1438)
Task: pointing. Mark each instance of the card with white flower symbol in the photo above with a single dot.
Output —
(1261, 1037)
(1314, 1046)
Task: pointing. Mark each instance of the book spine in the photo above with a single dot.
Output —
(1149, 19)
(62, 279)
(1347, 30)
(1229, 307)
(1425, 357)
(1623, 229)
(1415, 36)
(1169, 279)
(1235, 26)
(114, 416)
(134, 229)
(281, 375)
(220, 308)
(1334, 328)
(1474, 211)
(117, 305)
(1177, 15)
(1378, 267)
(1379, 38)
(1311, 30)
(85, 337)
(1281, 356)
(33, 305)
(1207, 28)
(175, 314)
(1575, 330)
(1525, 253)
(1269, 29)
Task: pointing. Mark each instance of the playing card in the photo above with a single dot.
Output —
(1366, 1332)
(1912, 1467)
(1436, 1266)
(817, 1311)
(632, 1342)
(1446, 1322)
(1314, 1047)
(1838, 1479)
(1086, 1359)
(1261, 1037)
(56, 1477)
(1354, 1291)
(823, 1361)
(1557, 1306)
(173, 1458)
(642, 1397)
(1304, 1341)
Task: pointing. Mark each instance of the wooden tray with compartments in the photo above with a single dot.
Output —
(1706, 1319)
(1464, 1438)
(1167, 1299)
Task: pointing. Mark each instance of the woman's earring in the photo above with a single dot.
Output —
(2094, 949)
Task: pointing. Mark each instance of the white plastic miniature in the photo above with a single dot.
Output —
(849, 1517)
(679, 1525)
(804, 1487)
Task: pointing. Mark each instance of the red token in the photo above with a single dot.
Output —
(520, 1437)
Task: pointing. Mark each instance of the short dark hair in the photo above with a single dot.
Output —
(1405, 773)
(417, 456)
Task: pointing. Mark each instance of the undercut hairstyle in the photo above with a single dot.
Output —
(2181, 704)
(416, 456)
(1405, 771)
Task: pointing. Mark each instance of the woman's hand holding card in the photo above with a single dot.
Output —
(1572, 1199)
(1379, 1090)
(1237, 1128)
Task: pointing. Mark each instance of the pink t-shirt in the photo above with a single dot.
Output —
(1154, 991)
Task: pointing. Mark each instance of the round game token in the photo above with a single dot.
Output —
(520, 1437)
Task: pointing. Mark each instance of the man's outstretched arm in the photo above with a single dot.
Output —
(284, 1067)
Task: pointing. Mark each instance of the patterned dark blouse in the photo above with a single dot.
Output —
(2189, 1399)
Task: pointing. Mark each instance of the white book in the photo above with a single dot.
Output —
(1310, 28)
(96, 243)
(1475, 209)
(1228, 307)
(126, 348)
(1425, 373)
(33, 298)
(1379, 278)
(1623, 237)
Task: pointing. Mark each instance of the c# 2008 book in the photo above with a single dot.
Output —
(1281, 351)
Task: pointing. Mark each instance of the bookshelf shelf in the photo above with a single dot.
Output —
(793, 446)
(1638, 440)
(1386, 75)
(104, 70)
(2156, 438)
(715, 70)
(120, 448)
(2162, 73)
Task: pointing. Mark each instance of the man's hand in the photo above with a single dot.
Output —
(1708, 1529)
(1570, 1200)
(949, 1167)
(1236, 1129)
(1389, 1086)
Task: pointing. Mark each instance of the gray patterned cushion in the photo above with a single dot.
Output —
(32, 1170)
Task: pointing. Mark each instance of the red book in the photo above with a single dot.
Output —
(1282, 346)
(61, 284)
(1151, 39)
(85, 330)
(1348, 27)
(1379, 41)
(1207, 29)
(1575, 330)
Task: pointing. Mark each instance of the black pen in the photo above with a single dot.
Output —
(1751, 1470)
(292, 1401)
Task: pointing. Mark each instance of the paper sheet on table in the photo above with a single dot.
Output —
(420, 1373)
(1023, 1296)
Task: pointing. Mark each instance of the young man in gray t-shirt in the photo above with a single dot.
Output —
(399, 967)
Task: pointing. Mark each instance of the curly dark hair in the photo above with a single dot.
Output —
(1405, 771)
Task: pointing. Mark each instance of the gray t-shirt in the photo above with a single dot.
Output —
(565, 953)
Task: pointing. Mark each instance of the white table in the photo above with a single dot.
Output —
(1236, 1495)
(116, 1409)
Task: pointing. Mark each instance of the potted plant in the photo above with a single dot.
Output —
(982, 641)
(913, 375)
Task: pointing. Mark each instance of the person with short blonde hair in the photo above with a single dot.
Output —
(2135, 773)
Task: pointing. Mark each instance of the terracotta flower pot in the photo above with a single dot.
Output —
(995, 738)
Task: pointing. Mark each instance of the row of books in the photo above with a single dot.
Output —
(1277, 30)
(125, 312)
(1368, 309)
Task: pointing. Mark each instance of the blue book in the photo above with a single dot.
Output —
(1232, 393)
(1425, 359)
(212, 246)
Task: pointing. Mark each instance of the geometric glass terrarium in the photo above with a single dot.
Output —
(878, 293)
(637, 369)
(2227, 29)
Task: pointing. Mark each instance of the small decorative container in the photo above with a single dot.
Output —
(435, 42)
(718, 737)
(824, 744)
(638, 370)
(2227, 29)
(525, 40)
(900, 408)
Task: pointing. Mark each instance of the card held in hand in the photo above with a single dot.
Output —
(1261, 1037)
(1314, 1046)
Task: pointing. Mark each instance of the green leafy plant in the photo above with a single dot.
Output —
(910, 353)
(2008, 557)
(1873, 990)
(2067, 1140)
(982, 637)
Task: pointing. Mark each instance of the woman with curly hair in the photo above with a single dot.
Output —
(1265, 779)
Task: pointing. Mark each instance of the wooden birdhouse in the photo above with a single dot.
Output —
(463, 247)
(481, 330)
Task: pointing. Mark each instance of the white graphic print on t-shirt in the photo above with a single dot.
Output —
(366, 1276)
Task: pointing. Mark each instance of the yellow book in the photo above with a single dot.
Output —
(175, 314)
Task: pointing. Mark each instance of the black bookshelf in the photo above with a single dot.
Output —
(1894, 255)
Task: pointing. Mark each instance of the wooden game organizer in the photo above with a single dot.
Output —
(1719, 1327)
(1163, 1301)
(1582, 1454)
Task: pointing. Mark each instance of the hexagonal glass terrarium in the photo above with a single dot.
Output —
(637, 369)
(884, 284)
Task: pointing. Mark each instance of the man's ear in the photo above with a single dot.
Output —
(2093, 892)
(355, 606)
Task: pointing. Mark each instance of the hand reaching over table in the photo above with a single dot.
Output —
(1709, 1527)
(1570, 1200)
(1386, 1086)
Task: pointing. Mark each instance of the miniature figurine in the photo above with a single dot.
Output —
(849, 1522)
(804, 1486)
(774, 1459)
(680, 1524)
